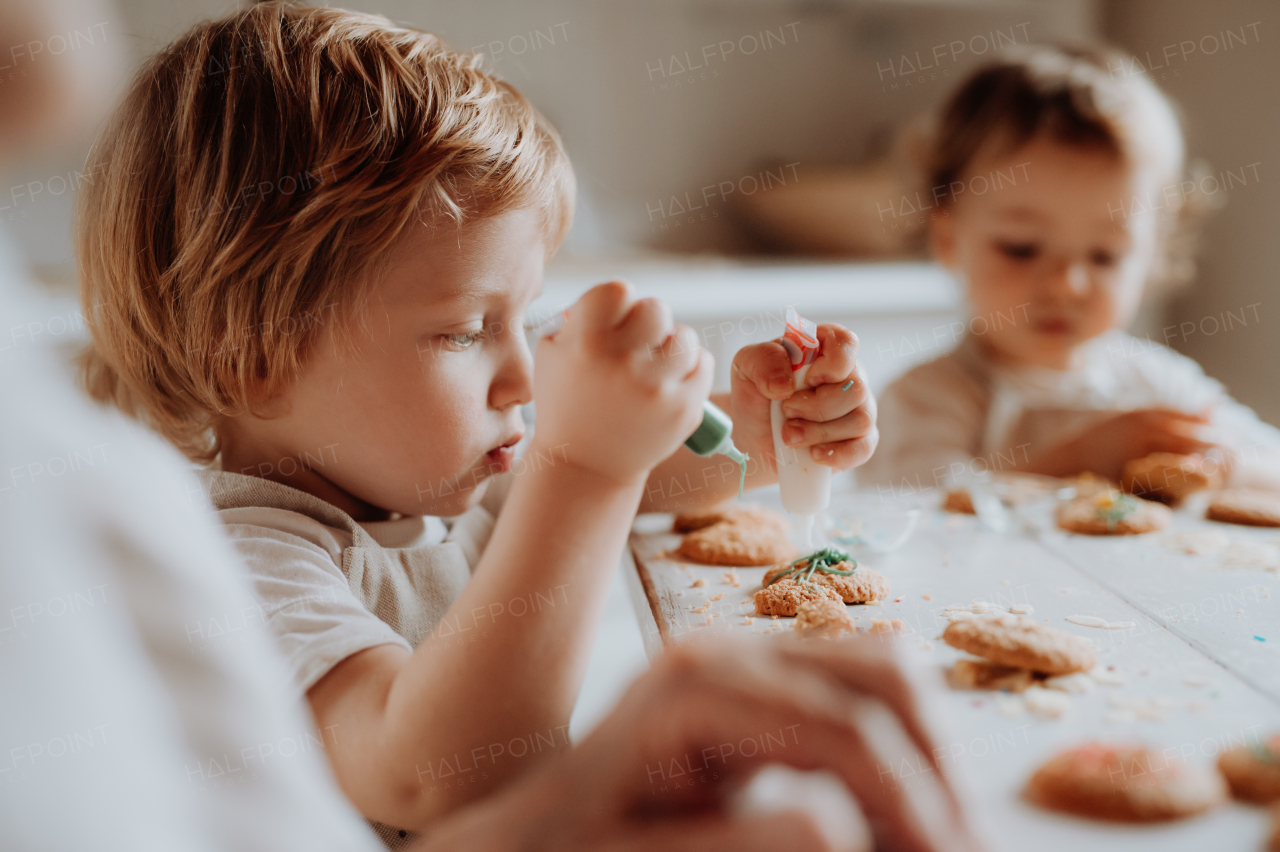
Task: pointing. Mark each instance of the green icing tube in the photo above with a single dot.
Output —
(715, 435)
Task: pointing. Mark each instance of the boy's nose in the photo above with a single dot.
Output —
(1078, 279)
(513, 385)
(1069, 280)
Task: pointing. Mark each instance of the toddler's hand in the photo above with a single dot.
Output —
(838, 426)
(619, 387)
(1106, 447)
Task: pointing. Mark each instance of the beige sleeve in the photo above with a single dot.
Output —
(931, 423)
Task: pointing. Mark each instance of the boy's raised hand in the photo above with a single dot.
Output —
(620, 386)
(837, 426)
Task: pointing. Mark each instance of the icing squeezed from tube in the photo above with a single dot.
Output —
(715, 435)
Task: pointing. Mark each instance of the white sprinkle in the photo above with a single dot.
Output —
(1076, 684)
(1106, 677)
(1042, 702)
(1094, 621)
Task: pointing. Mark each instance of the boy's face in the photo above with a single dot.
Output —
(426, 410)
(1051, 258)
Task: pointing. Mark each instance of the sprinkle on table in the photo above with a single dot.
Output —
(1260, 638)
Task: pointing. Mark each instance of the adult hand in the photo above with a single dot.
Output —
(659, 771)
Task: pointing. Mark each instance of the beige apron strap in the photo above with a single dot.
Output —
(409, 589)
(235, 491)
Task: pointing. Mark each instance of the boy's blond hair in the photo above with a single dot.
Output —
(250, 180)
(1080, 97)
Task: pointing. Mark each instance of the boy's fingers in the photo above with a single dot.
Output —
(845, 455)
(829, 401)
(602, 308)
(855, 424)
(647, 323)
(682, 351)
(838, 355)
(766, 367)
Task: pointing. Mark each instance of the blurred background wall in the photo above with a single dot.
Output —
(659, 99)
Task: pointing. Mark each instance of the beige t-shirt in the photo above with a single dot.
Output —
(960, 414)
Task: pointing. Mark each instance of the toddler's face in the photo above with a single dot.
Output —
(427, 409)
(1050, 260)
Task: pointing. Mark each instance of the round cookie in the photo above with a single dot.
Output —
(823, 618)
(1167, 477)
(1124, 783)
(786, 596)
(1022, 643)
(959, 501)
(1245, 506)
(1112, 513)
(731, 512)
(864, 584)
(1253, 772)
(737, 542)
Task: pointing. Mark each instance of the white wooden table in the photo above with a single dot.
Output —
(1195, 678)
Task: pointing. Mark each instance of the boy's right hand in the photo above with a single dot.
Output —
(620, 386)
(1106, 447)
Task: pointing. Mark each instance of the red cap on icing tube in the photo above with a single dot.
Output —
(800, 340)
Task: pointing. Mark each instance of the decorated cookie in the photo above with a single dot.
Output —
(835, 569)
(959, 501)
(823, 618)
(1245, 506)
(729, 512)
(786, 596)
(1012, 640)
(1112, 513)
(979, 674)
(1168, 477)
(1124, 783)
(1253, 771)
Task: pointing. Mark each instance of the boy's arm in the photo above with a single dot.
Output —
(416, 735)
(419, 735)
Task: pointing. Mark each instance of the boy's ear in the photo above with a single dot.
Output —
(942, 239)
(268, 403)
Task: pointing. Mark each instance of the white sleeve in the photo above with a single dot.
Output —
(119, 729)
(302, 593)
(930, 423)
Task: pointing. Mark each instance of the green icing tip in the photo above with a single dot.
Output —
(741, 458)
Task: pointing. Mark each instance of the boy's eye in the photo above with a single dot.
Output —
(1102, 258)
(462, 341)
(1018, 251)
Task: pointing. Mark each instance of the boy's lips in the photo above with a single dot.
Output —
(501, 457)
(1053, 325)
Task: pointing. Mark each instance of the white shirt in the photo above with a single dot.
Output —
(117, 729)
(960, 413)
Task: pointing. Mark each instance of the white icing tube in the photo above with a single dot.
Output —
(805, 484)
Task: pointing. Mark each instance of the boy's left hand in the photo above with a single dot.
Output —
(837, 426)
